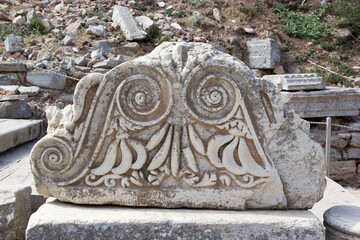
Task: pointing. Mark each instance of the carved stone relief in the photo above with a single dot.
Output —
(180, 127)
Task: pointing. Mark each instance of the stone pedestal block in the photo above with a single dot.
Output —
(109, 222)
(15, 210)
(342, 222)
(295, 82)
(263, 54)
(330, 102)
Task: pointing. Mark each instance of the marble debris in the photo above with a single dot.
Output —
(128, 24)
(185, 126)
(263, 53)
(330, 102)
(297, 82)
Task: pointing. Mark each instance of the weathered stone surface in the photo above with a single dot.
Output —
(15, 210)
(339, 142)
(342, 170)
(185, 126)
(291, 82)
(96, 30)
(108, 63)
(353, 153)
(12, 89)
(15, 109)
(8, 79)
(4, 98)
(128, 24)
(331, 101)
(14, 43)
(263, 54)
(342, 222)
(146, 23)
(355, 140)
(46, 80)
(12, 67)
(30, 91)
(14, 132)
(86, 222)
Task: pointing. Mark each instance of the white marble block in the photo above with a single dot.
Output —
(185, 126)
(297, 82)
(263, 53)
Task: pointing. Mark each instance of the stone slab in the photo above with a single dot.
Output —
(263, 53)
(15, 210)
(108, 222)
(46, 80)
(330, 102)
(8, 78)
(15, 109)
(296, 82)
(15, 131)
(15, 170)
(341, 170)
(128, 24)
(12, 97)
(12, 67)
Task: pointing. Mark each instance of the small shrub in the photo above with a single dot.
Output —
(139, 6)
(190, 21)
(302, 25)
(299, 59)
(37, 26)
(348, 11)
(327, 46)
(169, 12)
(197, 3)
(248, 10)
(161, 38)
(180, 14)
(210, 14)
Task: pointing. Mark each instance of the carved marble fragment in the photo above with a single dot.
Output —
(185, 126)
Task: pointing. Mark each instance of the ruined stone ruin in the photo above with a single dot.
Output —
(186, 126)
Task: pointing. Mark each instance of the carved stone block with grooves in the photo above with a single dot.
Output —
(296, 82)
(185, 126)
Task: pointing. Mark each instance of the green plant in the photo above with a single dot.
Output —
(302, 25)
(299, 59)
(139, 53)
(197, 3)
(139, 6)
(169, 12)
(250, 11)
(286, 46)
(348, 11)
(161, 38)
(122, 34)
(190, 21)
(312, 50)
(210, 14)
(327, 46)
(180, 14)
(37, 26)
(32, 42)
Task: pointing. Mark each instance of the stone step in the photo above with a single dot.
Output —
(330, 102)
(58, 220)
(17, 131)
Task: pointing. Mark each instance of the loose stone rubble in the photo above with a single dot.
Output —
(185, 126)
(15, 210)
